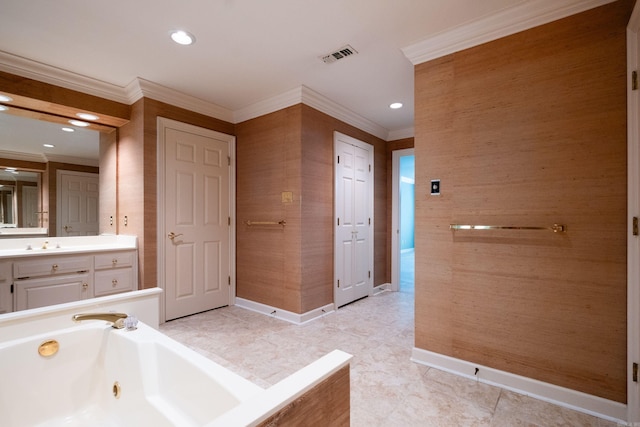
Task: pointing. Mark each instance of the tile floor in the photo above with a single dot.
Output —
(387, 389)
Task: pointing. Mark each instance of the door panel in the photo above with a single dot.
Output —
(197, 205)
(78, 210)
(354, 216)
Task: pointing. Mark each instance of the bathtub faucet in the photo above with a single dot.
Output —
(118, 319)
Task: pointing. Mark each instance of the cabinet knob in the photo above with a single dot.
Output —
(85, 286)
(54, 267)
(114, 282)
(114, 261)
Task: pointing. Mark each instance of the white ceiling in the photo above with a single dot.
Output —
(247, 51)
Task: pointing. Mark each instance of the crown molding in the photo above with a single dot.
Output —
(24, 67)
(269, 105)
(140, 87)
(304, 95)
(397, 134)
(335, 110)
(522, 17)
(28, 157)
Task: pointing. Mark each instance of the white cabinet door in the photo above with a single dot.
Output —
(34, 293)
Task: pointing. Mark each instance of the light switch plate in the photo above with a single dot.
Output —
(435, 187)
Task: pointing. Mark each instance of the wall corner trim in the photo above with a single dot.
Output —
(523, 16)
(288, 316)
(572, 399)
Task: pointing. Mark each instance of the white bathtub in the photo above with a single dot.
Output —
(102, 376)
(159, 383)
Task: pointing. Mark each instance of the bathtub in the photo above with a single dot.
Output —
(101, 376)
(113, 377)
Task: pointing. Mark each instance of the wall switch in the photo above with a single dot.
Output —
(435, 187)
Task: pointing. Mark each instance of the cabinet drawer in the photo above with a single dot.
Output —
(46, 266)
(114, 260)
(113, 281)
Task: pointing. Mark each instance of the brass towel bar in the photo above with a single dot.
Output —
(250, 223)
(556, 228)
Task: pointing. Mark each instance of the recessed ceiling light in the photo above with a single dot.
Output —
(68, 129)
(5, 98)
(182, 37)
(87, 116)
(396, 105)
(48, 145)
(79, 123)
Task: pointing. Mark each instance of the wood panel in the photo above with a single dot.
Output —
(327, 404)
(268, 162)
(39, 96)
(527, 130)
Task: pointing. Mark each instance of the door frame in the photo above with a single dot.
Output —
(337, 136)
(633, 210)
(162, 124)
(395, 215)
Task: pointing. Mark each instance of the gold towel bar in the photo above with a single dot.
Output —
(250, 223)
(556, 228)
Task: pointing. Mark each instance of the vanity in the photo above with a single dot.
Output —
(38, 272)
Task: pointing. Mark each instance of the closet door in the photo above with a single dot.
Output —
(353, 260)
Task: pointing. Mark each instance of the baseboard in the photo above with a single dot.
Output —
(285, 315)
(382, 288)
(582, 402)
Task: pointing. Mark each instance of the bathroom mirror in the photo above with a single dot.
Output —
(34, 147)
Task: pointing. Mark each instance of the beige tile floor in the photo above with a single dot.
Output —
(387, 389)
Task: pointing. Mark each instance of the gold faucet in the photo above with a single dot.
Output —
(116, 318)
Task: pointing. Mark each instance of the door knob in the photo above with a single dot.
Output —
(173, 235)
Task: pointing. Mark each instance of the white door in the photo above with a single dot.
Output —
(30, 206)
(197, 225)
(633, 210)
(78, 195)
(353, 219)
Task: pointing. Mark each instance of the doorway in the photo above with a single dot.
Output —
(196, 247)
(353, 247)
(78, 195)
(403, 221)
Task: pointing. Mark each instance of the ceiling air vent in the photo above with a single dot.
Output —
(341, 53)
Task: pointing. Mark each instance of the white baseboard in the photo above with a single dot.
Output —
(382, 288)
(285, 315)
(572, 399)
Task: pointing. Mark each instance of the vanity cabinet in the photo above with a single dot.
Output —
(44, 280)
(6, 299)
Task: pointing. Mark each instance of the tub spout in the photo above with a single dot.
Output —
(116, 318)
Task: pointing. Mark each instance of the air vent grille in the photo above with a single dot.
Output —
(341, 53)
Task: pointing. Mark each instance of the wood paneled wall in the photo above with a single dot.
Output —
(527, 130)
(292, 150)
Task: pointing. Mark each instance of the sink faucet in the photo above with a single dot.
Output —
(118, 319)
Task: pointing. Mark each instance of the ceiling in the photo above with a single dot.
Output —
(246, 51)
